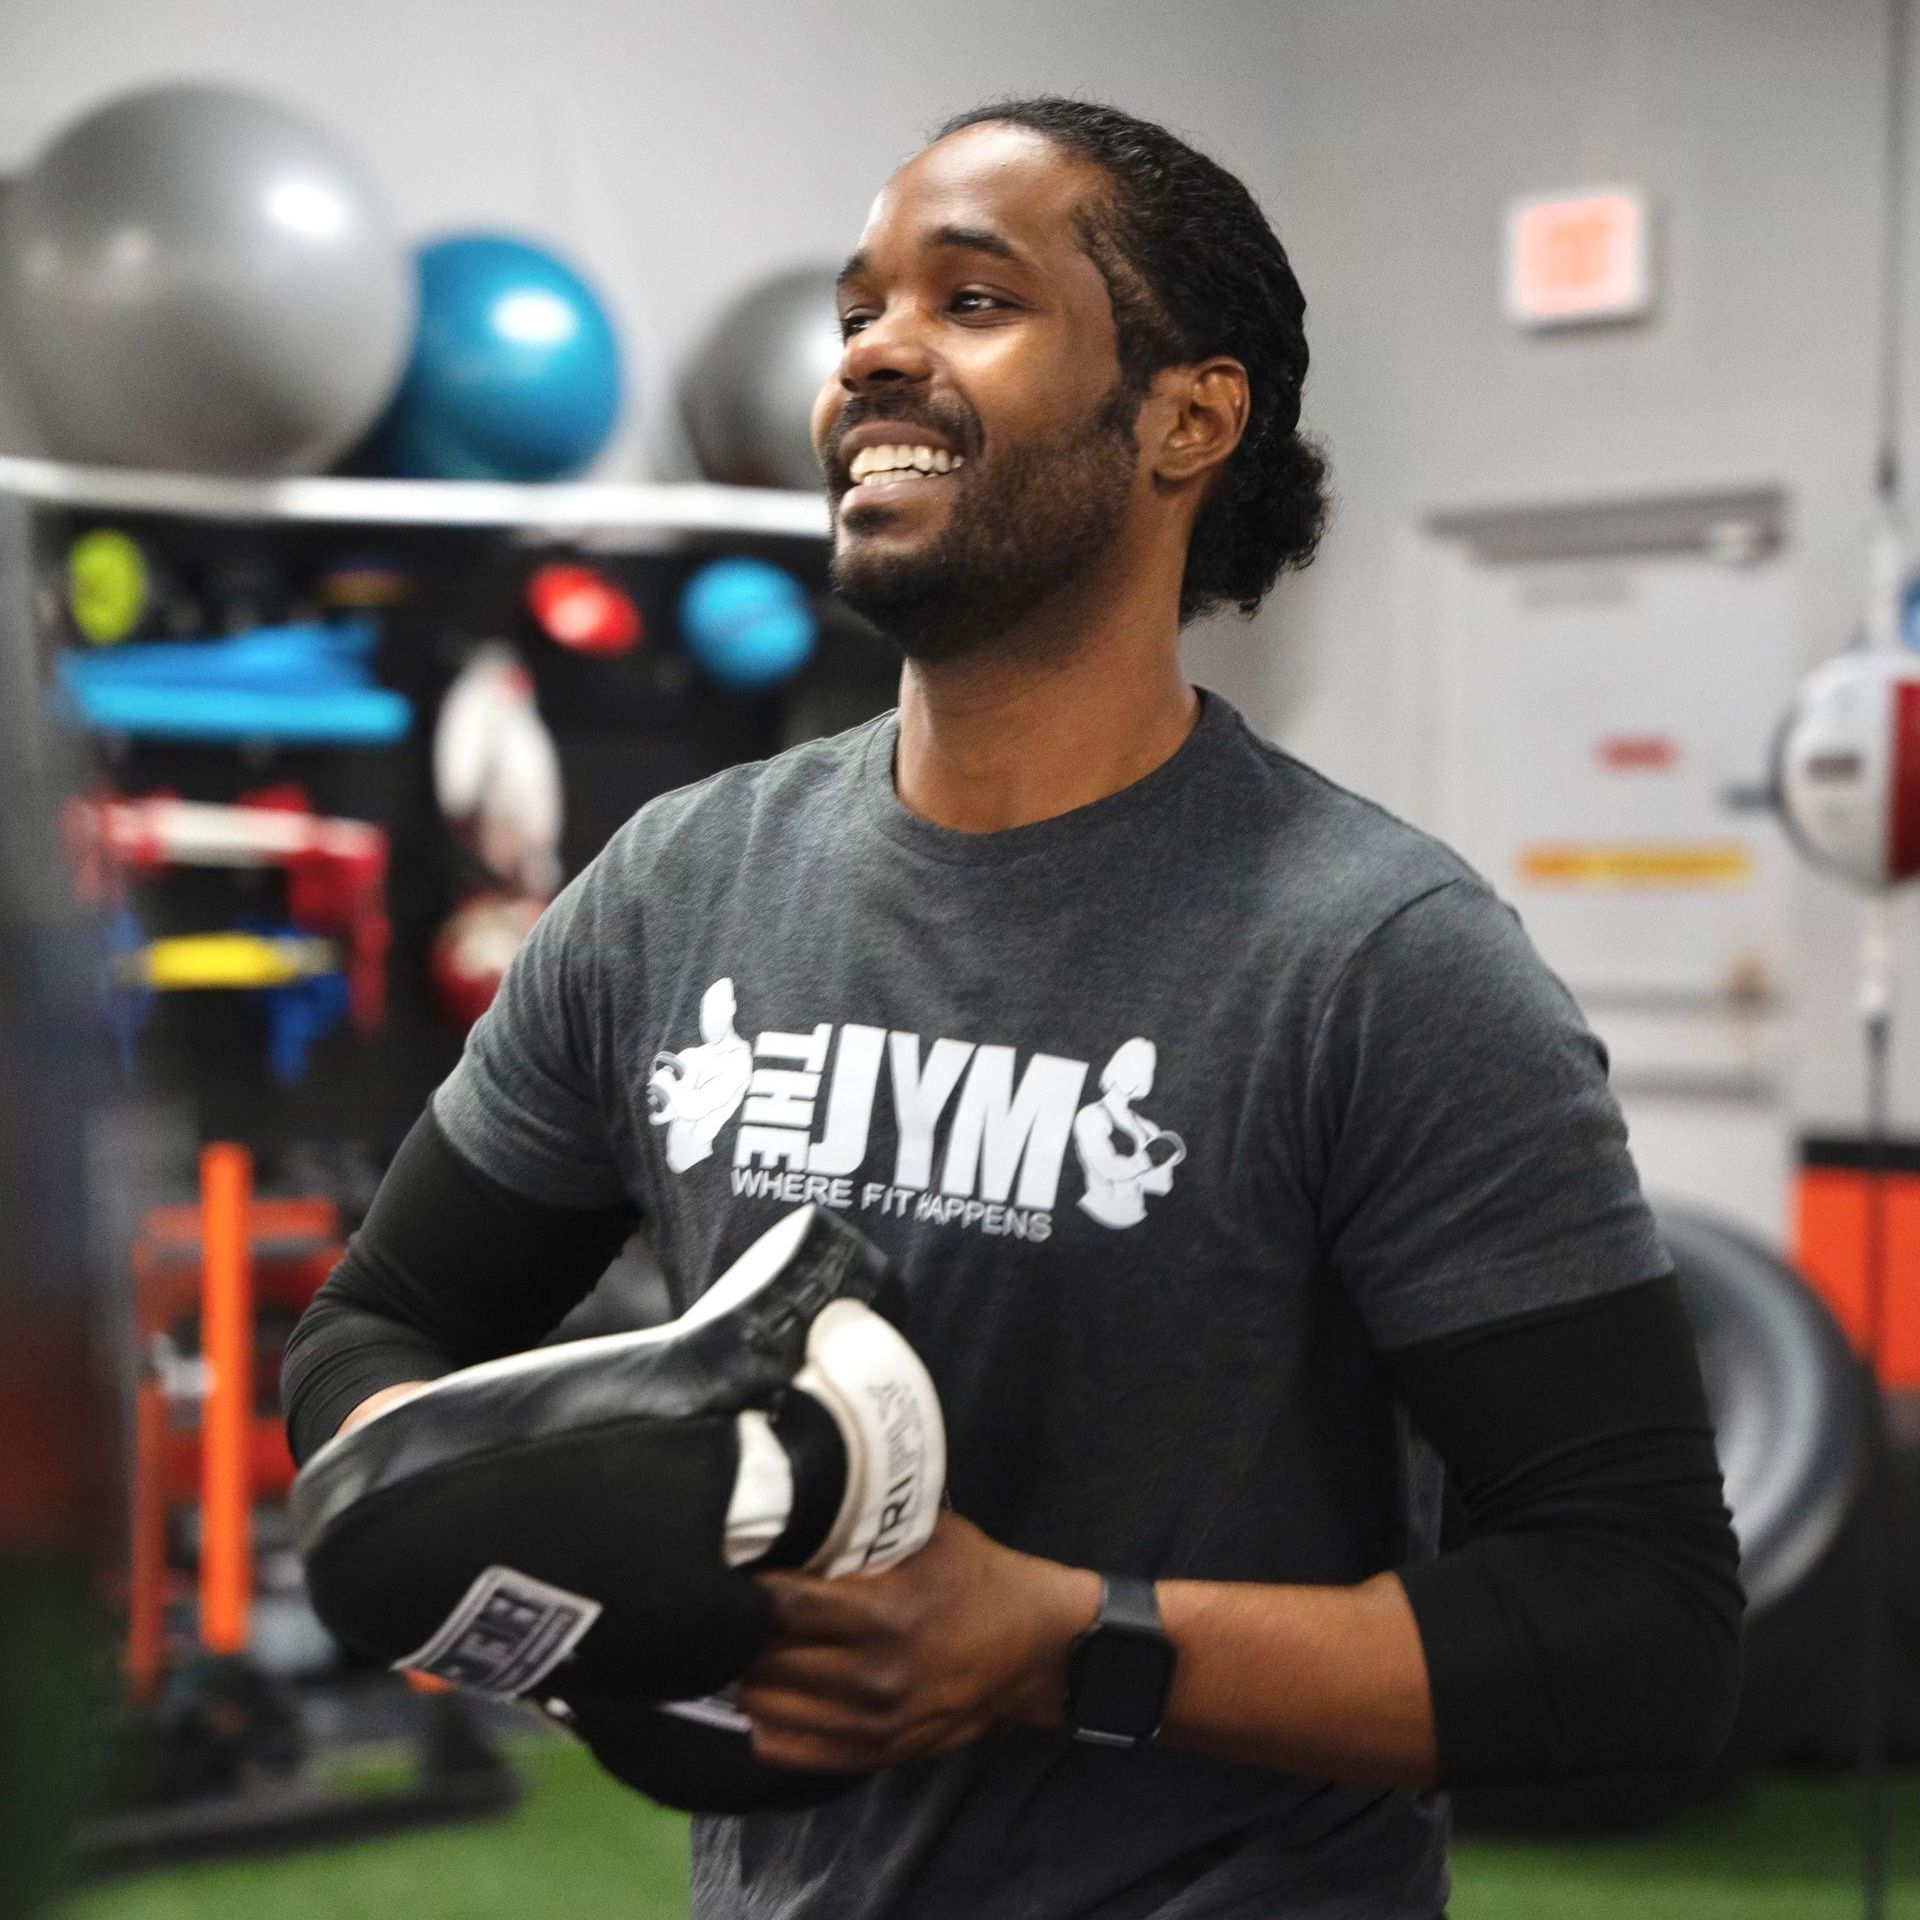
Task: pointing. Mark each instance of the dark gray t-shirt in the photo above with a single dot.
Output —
(1170, 1112)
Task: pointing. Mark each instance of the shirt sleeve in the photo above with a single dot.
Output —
(448, 1268)
(1589, 1624)
(1472, 1162)
(529, 1103)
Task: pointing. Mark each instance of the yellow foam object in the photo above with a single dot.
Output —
(192, 960)
(107, 586)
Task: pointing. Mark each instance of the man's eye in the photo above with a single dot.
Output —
(970, 302)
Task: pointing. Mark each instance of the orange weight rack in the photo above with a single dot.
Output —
(219, 1261)
(207, 1431)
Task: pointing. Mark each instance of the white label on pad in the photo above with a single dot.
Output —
(710, 1710)
(507, 1634)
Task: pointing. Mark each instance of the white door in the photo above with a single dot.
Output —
(1599, 707)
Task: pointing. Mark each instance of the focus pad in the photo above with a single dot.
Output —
(696, 1755)
(626, 1514)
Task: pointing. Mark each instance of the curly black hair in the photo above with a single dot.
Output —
(1193, 268)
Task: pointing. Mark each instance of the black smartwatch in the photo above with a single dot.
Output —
(1121, 1669)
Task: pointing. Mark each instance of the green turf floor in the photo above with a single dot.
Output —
(579, 1848)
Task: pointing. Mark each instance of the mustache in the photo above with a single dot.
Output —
(865, 413)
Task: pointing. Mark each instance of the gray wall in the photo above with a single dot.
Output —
(681, 151)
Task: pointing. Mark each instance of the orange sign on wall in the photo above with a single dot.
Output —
(1580, 258)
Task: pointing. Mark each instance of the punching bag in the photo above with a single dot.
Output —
(1847, 767)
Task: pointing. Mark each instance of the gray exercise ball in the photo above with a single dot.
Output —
(748, 393)
(19, 430)
(199, 279)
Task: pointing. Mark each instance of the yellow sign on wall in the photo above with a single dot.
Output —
(1726, 863)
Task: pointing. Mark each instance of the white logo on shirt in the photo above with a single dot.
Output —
(1123, 1154)
(980, 1139)
(693, 1094)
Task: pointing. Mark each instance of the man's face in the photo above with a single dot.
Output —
(977, 329)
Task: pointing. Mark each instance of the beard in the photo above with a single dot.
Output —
(1034, 523)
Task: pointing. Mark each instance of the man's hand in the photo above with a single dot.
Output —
(867, 1671)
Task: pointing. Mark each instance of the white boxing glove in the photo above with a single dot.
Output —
(883, 1403)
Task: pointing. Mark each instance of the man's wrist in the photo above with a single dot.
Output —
(1120, 1676)
(1065, 1602)
(379, 1402)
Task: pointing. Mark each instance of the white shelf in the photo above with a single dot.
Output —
(662, 512)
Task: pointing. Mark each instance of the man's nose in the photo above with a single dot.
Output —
(892, 348)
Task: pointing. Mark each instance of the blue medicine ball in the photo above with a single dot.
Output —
(747, 625)
(515, 373)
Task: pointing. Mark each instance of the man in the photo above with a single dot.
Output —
(1184, 1646)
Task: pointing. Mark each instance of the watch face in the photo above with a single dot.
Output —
(1120, 1683)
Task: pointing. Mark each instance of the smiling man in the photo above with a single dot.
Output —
(1241, 1162)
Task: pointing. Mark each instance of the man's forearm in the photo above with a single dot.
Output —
(969, 1634)
(1329, 1682)
(448, 1268)
(344, 1359)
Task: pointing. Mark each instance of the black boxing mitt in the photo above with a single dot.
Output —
(575, 1525)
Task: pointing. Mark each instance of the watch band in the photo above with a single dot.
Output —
(1127, 1600)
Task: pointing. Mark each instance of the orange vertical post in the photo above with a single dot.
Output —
(147, 1561)
(226, 1337)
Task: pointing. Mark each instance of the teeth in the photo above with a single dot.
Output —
(873, 462)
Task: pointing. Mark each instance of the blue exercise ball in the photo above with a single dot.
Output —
(747, 625)
(515, 373)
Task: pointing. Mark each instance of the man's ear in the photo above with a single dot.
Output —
(1208, 404)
